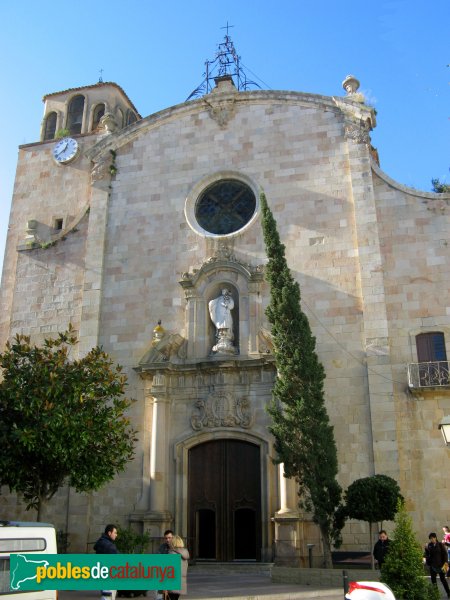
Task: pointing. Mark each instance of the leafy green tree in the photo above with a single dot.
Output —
(61, 420)
(440, 188)
(403, 569)
(372, 499)
(304, 438)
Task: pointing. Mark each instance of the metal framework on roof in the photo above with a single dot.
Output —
(226, 63)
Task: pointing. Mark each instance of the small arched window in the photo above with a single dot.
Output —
(131, 117)
(99, 111)
(119, 118)
(50, 126)
(75, 115)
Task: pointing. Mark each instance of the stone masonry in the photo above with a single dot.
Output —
(371, 257)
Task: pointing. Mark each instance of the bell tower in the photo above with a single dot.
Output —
(86, 110)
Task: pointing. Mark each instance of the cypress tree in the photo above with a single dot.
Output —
(304, 438)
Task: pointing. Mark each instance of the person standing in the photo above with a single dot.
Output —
(446, 542)
(436, 557)
(381, 548)
(178, 548)
(167, 544)
(106, 545)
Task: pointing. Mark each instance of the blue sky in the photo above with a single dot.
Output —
(156, 51)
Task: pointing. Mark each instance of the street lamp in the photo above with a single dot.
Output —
(444, 426)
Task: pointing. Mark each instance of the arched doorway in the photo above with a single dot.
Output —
(224, 500)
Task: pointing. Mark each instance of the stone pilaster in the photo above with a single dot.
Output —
(373, 299)
(156, 517)
(93, 278)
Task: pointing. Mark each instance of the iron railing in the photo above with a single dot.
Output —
(429, 374)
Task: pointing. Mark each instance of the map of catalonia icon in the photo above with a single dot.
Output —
(24, 570)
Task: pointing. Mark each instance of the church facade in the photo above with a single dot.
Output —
(145, 234)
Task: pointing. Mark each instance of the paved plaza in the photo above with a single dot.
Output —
(238, 586)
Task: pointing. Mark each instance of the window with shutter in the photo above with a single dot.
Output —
(432, 359)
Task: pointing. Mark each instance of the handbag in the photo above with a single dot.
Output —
(445, 567)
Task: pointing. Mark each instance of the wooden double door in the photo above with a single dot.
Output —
(224, 503)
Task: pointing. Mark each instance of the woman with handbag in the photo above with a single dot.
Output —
(177, 547)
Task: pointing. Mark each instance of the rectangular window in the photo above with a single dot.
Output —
(4, 575)
(23, 545)
(430, 347)
(16, 545)
(432, 358)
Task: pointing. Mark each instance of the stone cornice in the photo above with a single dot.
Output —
(404, 188)
(214, 263)
(203, 366)
(124, 136)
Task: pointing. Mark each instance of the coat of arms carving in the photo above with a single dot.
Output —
(221, 409)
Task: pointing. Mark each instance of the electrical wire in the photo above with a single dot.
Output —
(355, 358)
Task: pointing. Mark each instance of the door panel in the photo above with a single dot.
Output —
(224, 503)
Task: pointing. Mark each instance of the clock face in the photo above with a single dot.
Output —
(65, 150)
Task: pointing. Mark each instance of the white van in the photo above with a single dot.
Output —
(21, 536)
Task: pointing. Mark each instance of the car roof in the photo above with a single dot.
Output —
(4, 523)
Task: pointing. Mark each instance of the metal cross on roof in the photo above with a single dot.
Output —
(226, 62)
(227, 27)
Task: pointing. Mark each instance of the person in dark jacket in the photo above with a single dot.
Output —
(166, 546)
(435, 557)
(381, 548)
(106, 545)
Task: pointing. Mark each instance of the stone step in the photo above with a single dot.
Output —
(230, 567)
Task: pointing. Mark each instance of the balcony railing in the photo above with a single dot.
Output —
(429, 374)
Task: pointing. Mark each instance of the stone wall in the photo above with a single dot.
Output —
(371, 258)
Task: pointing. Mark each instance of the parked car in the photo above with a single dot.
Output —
(369, 590)
(24, 537)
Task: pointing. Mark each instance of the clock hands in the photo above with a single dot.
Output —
(62, 149)
(65, 150)
(58, 152)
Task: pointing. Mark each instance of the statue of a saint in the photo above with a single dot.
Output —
(220, 312)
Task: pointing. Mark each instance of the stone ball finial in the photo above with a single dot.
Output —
(350, 84)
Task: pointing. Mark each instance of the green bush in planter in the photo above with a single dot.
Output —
(403, 569)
